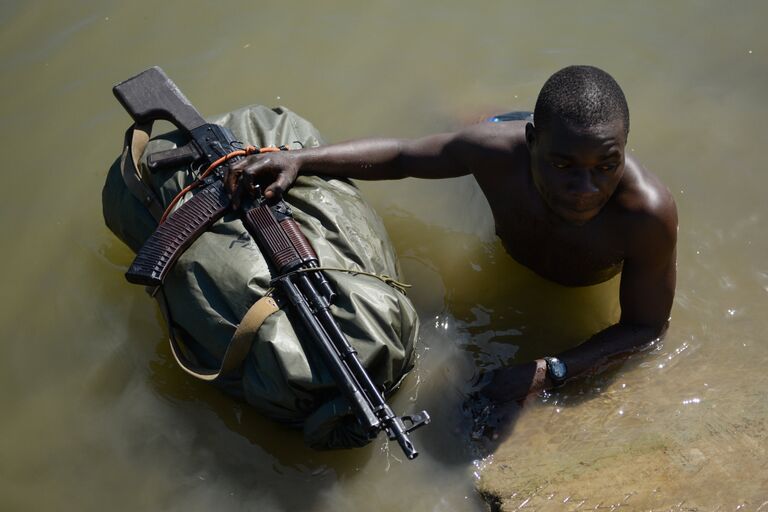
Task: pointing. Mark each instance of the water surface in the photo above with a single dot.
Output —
(95, 415)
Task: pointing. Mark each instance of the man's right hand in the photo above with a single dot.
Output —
(273, 172)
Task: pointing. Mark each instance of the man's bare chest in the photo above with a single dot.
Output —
(569, 255)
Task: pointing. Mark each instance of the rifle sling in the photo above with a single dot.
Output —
(238, 347)
(134, 144)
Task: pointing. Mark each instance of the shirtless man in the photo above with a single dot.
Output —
(567, 200)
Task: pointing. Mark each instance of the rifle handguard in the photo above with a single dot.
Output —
(284, 244)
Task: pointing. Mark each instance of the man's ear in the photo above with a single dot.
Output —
(530, 135)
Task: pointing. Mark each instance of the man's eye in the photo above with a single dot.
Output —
(559, 165)
(607, 167)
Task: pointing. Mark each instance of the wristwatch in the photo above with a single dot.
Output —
(557, 371)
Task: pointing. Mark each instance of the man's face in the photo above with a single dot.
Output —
(576, 170)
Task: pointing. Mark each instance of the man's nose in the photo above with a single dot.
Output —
(580, 183)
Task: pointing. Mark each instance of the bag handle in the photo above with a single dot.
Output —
(238, 347)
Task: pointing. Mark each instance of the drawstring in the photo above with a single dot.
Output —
(394, 283)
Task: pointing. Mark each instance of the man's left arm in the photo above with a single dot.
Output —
(646, 294)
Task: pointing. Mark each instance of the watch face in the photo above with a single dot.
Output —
(556, 368)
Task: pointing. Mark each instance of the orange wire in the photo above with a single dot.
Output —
(249, 150)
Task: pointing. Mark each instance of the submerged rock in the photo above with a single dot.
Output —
(626, 448)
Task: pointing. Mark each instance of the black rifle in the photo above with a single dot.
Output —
(152, 96)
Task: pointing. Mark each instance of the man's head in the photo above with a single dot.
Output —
(581, 123)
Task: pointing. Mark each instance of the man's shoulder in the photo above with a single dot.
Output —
(641, 192)
(647, 204)
(507, 135)
(491, 149)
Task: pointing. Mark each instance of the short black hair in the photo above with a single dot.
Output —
(583, 96)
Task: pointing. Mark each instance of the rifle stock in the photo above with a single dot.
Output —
(151, 95)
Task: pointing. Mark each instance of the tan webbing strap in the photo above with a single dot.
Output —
(246, 332)
(135, 142)
(238, 347)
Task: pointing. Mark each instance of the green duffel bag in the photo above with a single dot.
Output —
(222, 275)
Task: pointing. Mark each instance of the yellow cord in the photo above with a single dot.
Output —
(394, 283)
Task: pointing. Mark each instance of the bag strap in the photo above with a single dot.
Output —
(238, 347)
(134, 144)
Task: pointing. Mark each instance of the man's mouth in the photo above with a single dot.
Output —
(580, 206)
(576, 210)
(578, 213)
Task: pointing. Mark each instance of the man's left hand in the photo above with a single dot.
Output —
(517, 382)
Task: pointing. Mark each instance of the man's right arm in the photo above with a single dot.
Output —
(444, 155)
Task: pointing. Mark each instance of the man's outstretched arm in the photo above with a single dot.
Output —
(444, 155)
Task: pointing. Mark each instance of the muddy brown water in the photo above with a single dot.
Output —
(94, 414)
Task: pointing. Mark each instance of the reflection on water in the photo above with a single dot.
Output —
(96, 416)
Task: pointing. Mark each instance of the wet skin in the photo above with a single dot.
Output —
(567, 202)
(549, 218)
